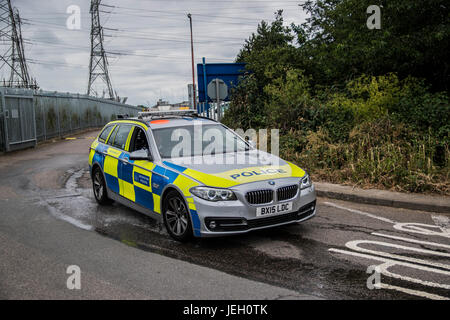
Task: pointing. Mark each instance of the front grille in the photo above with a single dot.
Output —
(259, 196)
(241, 224)
(285, 193)
(304, 212)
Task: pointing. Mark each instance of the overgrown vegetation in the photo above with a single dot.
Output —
(353, 105)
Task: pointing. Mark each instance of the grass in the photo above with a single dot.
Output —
(377, 155)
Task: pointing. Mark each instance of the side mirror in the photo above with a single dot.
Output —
(143, 154)
(250, 142)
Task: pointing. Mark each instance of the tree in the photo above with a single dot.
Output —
(267, 54)
(414, 40)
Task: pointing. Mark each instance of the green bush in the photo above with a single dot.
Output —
(378, 153)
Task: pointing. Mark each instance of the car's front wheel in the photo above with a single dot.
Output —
(99, 187)
(176, 217)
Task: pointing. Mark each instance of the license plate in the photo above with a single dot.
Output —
(274, 209)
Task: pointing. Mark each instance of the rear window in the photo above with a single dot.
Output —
(104, 135)
(121, 137)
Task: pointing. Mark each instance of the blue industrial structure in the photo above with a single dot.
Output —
(228, 72)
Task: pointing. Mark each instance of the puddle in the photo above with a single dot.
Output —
(70, 204)
(77, 206)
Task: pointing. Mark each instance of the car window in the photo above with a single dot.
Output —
(112, 135)
(138, 140)
(120, 139)
(105, 133)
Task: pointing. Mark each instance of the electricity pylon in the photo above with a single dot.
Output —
(98, 65)
(12, 53)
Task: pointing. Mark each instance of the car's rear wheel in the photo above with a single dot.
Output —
(99, 187)
(176, 217)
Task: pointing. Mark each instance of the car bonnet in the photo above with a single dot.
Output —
(233, 169)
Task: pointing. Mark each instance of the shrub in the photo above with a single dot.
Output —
(378, 154)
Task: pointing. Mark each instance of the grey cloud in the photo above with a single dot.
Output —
(155, 37)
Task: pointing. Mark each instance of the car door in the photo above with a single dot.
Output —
(126, 169)
(114, 155)
(140, 173)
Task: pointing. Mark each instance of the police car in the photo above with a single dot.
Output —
(141, 163)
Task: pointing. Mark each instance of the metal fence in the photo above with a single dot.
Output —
(28, 116)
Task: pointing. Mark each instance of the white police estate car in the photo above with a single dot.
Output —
(156, 164)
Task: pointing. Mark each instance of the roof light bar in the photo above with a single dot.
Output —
(160, 114)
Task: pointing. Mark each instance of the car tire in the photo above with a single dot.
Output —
(99, 187)
(176, 217)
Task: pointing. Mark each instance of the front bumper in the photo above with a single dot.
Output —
(238, 217)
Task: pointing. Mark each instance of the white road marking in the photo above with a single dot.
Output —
(413, 292)
(389, 263)
(390, 259)
(434, 244)
(360, 212)
(384, 270)
(421, 228)
(384, 259)
(354, 245)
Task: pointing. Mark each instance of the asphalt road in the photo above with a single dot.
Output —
(49, 220)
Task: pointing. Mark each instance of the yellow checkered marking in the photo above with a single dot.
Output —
(185, 183)
(92, 151)
(224, 179)
(127, 190)
(156, 203)
(192, 206)
(110, 166)
(91, 156)
(114, 152)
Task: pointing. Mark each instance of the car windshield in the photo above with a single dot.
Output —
(196, 140)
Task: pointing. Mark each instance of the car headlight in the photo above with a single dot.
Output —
(213, 194)
(305, 182)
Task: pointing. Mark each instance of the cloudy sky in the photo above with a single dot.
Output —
(151, 40)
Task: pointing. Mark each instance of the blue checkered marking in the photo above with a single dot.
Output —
(98, 157)
(174, 166)
(158, 184)
(172, 175)
(125, 169)
(112, 183)
(158, 180)
(144, 198)
(195, 223)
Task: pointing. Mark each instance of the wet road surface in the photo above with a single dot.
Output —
(326, 257)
